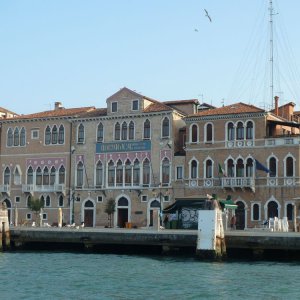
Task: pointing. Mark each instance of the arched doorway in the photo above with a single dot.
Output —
(8, 205)
(154, 205)
(240, 215)
(272, 209)
(122, 212)
(88, 218)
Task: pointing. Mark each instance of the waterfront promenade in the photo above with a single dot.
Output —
(256, 241)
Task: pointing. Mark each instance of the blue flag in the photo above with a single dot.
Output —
(261, 167)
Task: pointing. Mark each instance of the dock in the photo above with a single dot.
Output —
(256, 243)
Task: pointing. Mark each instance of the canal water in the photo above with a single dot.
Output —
(65, 275)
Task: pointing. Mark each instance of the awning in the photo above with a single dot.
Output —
(179, 204)
(228, 204)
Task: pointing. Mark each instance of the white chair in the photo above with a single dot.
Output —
(285, 224)
(271, 223)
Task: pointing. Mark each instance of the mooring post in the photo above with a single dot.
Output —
(4, 228)
(211, 238)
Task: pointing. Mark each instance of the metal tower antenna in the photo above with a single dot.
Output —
(271, 54)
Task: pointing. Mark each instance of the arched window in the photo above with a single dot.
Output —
(17, 176)
(230, 131)
(52, 175)
(117, 131)
(290, 211)
(194, 133)
(249, 167)
(22, 137)
(240, 168)
(28, 200)
(7, 175)
(124, 131)
(79, 181)
(80, 137)
(272, 167)
(128, 173)
(100, 133)
(48, 135)
(147, 129)
(208, 169)
(166, 171)
(119, 173)
(136, 173)
(166, 127)
(46, 176)
(255, 212)
(9, 137)
(146, 172)
(194, 167)
(230, 168)
(209, 133)
(122, 202)
(16, 137)
(61, 201)
(249, 130)
(54, 134)
(240, 131)
(99, 174)
(111, 173)
(289, 167)
(48, 201)
(61, 175)
(30, 175)
(131, 131)
(39, 176)
(61, 135)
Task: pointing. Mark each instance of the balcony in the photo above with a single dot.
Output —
(56, 188)
(239, 183)
(5, 188)
(282, 140)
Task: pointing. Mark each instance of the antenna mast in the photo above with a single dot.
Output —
(271, 54)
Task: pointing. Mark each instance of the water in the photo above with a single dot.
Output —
(64, 275)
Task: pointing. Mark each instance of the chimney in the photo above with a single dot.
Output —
(276, 98)
(57, 106)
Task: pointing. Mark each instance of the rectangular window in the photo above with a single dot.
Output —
(34, 134)
(17, 199)
(135, 104)
(28, 216)
(144, 198)
(179, 172)
(99, 198)
(45, 216)
(77, 199)
(166, 198)
(114, 107)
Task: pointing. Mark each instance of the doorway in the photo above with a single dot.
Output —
(88, 214)
(240, 215)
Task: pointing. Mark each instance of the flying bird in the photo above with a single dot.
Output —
(196, 29)
(207, 15)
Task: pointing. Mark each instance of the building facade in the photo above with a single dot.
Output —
(248, 153)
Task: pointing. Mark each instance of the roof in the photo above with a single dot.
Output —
(63, 112)
(4, 110)
(237, 108)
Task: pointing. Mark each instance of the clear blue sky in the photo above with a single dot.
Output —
(80, 52)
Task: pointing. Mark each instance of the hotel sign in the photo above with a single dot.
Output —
(123, 147)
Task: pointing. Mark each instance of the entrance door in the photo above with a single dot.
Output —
(88, 218)
(122, 217)
(240, 215)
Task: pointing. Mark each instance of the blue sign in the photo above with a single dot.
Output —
(123, 146)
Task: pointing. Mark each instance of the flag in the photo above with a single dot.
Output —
(261, 167)
(221, 171)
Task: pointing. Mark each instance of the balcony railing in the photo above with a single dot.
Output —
(5, 188)
(56, 188)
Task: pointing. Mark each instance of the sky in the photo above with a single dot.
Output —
(80, 52)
